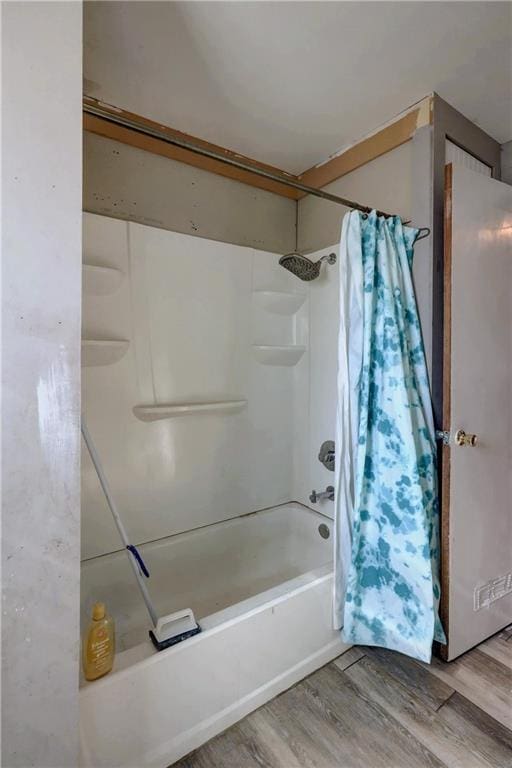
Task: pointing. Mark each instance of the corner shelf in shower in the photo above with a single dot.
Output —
(280, 302)
(103, 351)
(100, 281)
(278, 355)
(171, 410)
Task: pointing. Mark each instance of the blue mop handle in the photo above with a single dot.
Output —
(140, 562)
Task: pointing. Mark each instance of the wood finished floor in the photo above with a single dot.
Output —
(372, 708)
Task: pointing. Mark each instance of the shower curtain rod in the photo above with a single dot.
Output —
(103, 113)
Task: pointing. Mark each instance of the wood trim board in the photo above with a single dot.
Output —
(385, 140)
(381, 142)
(445, 457)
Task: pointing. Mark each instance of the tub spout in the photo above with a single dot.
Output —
(316, 496)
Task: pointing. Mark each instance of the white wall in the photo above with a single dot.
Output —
(191, 309)
(41, 254)
(455, 154)
(384, 183)
(128, 183)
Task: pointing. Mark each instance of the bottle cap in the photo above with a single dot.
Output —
(98, 611)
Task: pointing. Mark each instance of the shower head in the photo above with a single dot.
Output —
(304, 268)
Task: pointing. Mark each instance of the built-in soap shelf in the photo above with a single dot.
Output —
(103, 351)
(100, 281)
(280, 302)
(172, 410)
(288, 355)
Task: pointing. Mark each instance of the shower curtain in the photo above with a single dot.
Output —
(387, 538)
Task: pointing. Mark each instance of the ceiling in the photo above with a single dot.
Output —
(290, 83)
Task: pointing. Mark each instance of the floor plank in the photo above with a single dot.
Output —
(235, 748)
(481, 732)
(429, 689)
(349, 657)
(297, 724)
(499, 648)
(367, 734)
(456, 745)
(283, 752)
(481, 679)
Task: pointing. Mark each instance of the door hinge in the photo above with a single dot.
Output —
(444, 435)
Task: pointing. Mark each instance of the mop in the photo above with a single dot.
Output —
(167, 630)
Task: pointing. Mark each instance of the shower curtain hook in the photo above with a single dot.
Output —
(423, 232)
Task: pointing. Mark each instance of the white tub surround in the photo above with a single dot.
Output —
(191, 428)
(261, 587)
(207, 427)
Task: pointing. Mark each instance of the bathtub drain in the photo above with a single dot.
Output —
(324, 531)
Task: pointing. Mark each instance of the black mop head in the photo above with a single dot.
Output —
(161, 645)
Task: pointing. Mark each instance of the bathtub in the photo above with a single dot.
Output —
(260, 586)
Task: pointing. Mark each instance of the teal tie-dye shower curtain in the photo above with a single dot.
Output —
(387, 537)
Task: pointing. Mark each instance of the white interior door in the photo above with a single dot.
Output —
(477, 480)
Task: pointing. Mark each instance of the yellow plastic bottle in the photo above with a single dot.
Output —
(98, 644)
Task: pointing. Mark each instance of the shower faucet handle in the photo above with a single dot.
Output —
(317, 496)
(326, 455)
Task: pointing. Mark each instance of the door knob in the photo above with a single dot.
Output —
(462, 438)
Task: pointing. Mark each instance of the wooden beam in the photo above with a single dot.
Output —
(132, 138)
(390, 137)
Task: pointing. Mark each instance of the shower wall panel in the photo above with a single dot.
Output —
(186, 322)
(315, 387)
